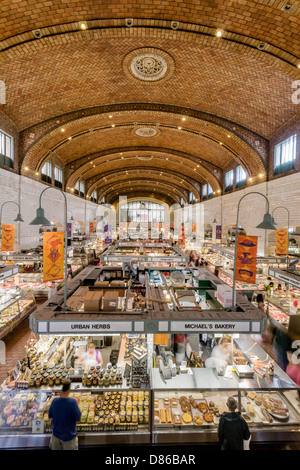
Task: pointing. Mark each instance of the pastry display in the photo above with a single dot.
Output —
(187, 418)
(208, 417)
(198, 420)
(177, 418)
(185, 406)
(203, 407)
(252, 395)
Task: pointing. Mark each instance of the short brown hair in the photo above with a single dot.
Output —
(231, 403)
(66, 385)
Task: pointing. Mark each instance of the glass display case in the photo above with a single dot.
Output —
(121, 414)
(191, 413)
(187, 407)
(15, 305)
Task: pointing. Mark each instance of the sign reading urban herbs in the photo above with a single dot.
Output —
(89, 327)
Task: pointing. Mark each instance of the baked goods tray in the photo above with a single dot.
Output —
(160, 405)
(182, 412)
(264, 401)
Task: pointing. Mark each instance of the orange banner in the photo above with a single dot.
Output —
(246, 259)
(53, 256)
(7, 238)
(281, 242)
(181, 238)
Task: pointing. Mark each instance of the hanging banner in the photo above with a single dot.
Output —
(281, 242)
(107, 234)
(92, 227)
(154, 230)
(218, 232)
(167, 231)
(194, 228)
(7, 238)
(53, 256)
(69, 230)
(246, 259)
(121, 229)
(161, 339)
(181, 238)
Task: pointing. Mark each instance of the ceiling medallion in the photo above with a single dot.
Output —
(146, 131)
(149, 64)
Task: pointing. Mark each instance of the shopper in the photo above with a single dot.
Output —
(293, 367)
(260, 302)
(64, 412)
(281, 344)
(233, 429)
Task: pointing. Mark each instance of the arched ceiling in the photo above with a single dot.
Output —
(72, 96)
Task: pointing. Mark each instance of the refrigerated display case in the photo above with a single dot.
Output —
(120, 415)
(187, 408)
(15, 304)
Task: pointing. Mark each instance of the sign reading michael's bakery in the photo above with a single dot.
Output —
(238, 327)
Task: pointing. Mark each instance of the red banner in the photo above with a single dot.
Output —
(53, 256)
(7, 238)
(246, 259)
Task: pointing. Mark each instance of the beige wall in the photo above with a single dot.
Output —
(26, 192)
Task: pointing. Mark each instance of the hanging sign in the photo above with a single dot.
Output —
(107, 234)
(194, 228)
(7, 237)
(92, 227)
(53, 256)
(281, 242)
(167, 231)
(69, 229)
(218, 232)
(181, 238)
(246, 255)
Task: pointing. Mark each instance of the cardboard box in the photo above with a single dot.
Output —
(92, 301)
(110, 301)
(75, 302)
(224, 296)
(80, 291)
(101, 284)
(121, 292)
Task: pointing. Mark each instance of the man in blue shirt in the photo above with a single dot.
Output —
(64, 412)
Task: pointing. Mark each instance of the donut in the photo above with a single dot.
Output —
(203, 407)
(185, 407)
(198, 419)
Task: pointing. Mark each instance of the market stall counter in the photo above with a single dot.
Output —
(187, 408)
(119, 314)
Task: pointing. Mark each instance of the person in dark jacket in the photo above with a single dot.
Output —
(65, 413)
(233, 429)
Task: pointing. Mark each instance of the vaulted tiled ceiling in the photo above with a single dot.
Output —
(72, 95)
